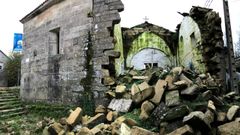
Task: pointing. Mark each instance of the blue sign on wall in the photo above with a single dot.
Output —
(17, 45)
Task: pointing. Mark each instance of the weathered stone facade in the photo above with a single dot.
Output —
(64, 45)
(3, 60)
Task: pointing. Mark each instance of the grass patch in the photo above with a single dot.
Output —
(49, 110)
(33, 122)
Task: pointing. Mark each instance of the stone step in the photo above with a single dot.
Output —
(8, 96)
(13, 110)
(8, 100)
(10, 106)
(9, 90)
(4, 116)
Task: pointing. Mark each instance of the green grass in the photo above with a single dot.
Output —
(49, 110)
(33, 122)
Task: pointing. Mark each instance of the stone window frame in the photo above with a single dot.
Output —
(56, 31)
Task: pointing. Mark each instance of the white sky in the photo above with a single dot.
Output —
(160, 12)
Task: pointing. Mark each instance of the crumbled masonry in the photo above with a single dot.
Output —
(161, 98)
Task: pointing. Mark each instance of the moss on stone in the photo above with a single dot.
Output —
(148, 40)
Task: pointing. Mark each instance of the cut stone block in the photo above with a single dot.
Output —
(55, 129)
(140, 77)
(125, 130)
(183, 77)
(85, 131)
(190, 92)
(120, 89)
(100, 109)
(185, 130)
(197, 121)
(142, 95)
(97, 119)
(75, 117)
(111, 116)
(146, 110)
(172, 98)
(159, 90)
(141, 131)
(120, 105)
(176, 112)
(134, 89)
(159, 113)
(232, 112)
(143, 86)
(232, 128)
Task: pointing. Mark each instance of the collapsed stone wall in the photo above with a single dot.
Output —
(85, 64)
(209, 46)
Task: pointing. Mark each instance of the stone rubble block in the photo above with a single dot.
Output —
(231, 128)
(197, 121)
(75, 117)
(146, 110)
(134, 89)
(185, 130)
(56, 129)
(232, 111)
(190, 92)
(143, 95)
(143, 86)
(120, 105)
(172, 98)
(159, 90)
(140, 131)
(97, 119)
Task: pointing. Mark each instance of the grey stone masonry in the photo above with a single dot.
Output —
(53, 52)
(63, 50)
(106, 15)
(3, 59)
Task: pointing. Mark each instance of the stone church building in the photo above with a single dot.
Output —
(71, 47)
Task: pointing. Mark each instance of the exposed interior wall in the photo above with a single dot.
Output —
(190, 40)
(119, 62)
(201, 43)
(148, 40)
(149, 58)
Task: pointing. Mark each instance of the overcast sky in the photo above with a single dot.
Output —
(160, 12)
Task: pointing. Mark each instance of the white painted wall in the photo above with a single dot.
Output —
(149, 55)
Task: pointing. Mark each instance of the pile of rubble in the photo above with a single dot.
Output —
(176, 102)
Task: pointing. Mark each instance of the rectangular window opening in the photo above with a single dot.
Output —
(55, 40)
(150, 65)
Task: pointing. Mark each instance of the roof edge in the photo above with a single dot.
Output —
(41, 8)
(4, 54)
